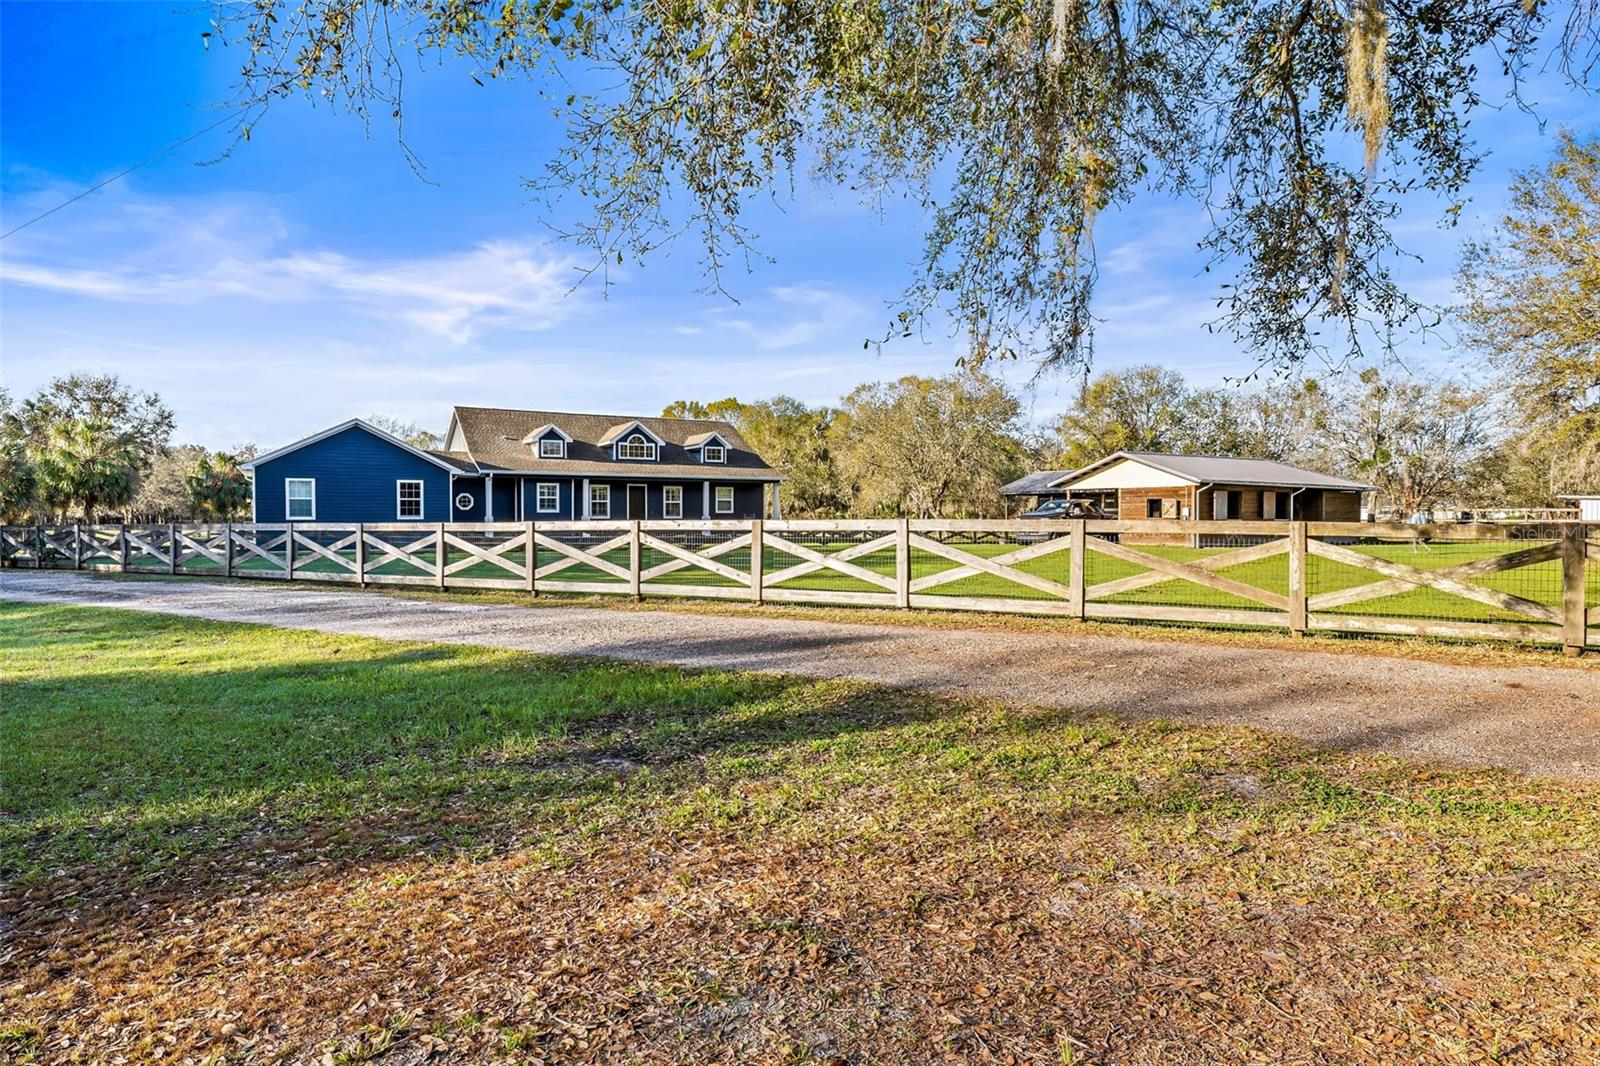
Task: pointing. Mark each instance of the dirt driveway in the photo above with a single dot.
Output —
(1528, 718)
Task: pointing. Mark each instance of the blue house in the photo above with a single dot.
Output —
(502, 465)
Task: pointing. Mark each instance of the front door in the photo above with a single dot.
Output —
(636, 501)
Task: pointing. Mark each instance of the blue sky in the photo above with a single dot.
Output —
(311, 275)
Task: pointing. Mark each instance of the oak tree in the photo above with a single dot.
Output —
(1298, 126)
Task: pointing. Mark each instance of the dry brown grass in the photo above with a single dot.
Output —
(631, 864)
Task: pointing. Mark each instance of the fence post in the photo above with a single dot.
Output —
(1297, 578)
(633, 559)
(227, 549)
(757, 563)
(77, 546)
(122, 535)
(531, 558)
(1075, 567)
(172, 547)
(38, 547)
(441, 554)
(1574, 631)
(288, 553)
(361, 554)
(902, 563)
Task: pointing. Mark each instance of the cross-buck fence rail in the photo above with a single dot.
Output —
(1529, 582)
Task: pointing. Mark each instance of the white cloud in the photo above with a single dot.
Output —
(173, 254)
(795, 315)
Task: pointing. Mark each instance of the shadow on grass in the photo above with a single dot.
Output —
(150, 755)
(141, 744)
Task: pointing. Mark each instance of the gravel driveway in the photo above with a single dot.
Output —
(1528, 718)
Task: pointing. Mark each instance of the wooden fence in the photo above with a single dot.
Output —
(1499, 582)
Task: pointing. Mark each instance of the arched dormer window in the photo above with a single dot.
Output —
(636, 446)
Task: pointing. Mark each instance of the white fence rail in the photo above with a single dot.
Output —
(1530, 582)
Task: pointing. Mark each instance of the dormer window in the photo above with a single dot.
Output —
(636, 446)
(713, 453)
(549, 441)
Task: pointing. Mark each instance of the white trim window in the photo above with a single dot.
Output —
(547, 497)
(300, 499)
(552, 448)
(408, 500)
(464, 501)
(724, 499)
(672, 501)
(713, 453)
(599, 501)
(636, 447)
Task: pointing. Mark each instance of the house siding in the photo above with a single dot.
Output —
(530, 499)
(355, 473)
(748, 500)
(472, 486)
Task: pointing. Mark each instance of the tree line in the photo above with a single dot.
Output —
(1516, 426)
(93, 448)
(943, 447)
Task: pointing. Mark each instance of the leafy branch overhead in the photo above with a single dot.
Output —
(1015, 123)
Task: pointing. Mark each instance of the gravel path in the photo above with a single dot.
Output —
(1528, 718)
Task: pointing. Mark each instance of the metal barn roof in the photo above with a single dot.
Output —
(1033, 484)
(1221, 469)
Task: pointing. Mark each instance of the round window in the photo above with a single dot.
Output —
(464, 501)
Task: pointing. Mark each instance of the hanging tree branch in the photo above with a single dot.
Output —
(1013, 122)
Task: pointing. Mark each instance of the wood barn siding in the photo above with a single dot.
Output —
(1341, 507)
(1132, 503)
(355, 473)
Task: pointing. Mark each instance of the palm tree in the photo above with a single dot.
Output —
(217, 486)
(85, 464)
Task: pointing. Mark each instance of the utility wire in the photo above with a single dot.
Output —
(174, 146)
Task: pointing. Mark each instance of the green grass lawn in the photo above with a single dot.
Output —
(235, 843)
(1540, 583)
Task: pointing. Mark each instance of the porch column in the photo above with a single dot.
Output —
(585, 499)
(488, 497)
(777, 508)
(705, 499)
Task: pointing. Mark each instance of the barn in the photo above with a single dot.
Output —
(1154, 485)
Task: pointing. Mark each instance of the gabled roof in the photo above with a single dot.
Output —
(494, 438)
(618, 431)
(437, 459)
(544, 431)
(1222, 469)
(700, 440)
(1033, 484)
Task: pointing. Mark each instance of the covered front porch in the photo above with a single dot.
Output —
(514, 497)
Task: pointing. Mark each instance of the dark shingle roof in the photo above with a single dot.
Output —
(1226, 470)
(494, 438)
(460, 460)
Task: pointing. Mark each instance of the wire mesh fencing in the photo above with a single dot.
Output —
(1221, 570)
(1517, 579)
(852, 561)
